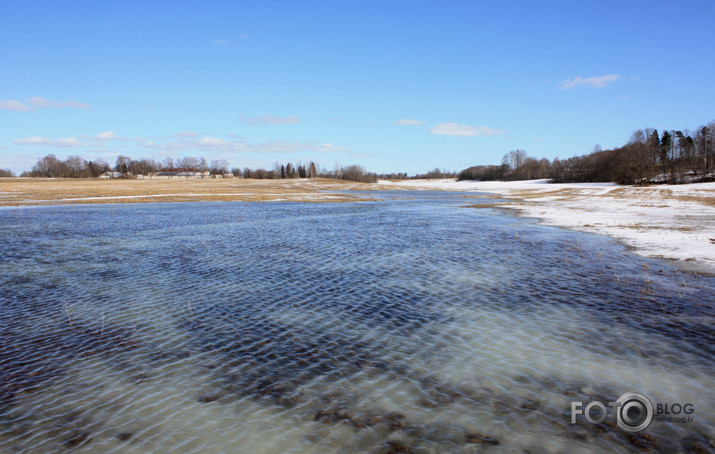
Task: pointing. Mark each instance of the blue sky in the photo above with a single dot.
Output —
(393, 86)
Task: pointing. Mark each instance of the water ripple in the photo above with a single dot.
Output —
(373, 326)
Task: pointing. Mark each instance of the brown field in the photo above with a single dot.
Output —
(44, 191)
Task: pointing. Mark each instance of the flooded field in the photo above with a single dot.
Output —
(377, 326)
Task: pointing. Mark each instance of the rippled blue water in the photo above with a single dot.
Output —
(369, 326)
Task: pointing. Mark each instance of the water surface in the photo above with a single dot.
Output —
(369, 326)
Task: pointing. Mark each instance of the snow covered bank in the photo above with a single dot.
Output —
(667, 221)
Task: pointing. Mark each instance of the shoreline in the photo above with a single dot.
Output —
(672, 222)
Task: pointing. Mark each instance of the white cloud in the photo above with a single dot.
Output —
(186, 141)
(220, 41)
(455, 129)
(324, 147)
(69, 142)
(64, 142)
(103, 137)
(292, 147)
(538, 139)
(594, 81)
(14, 106)
(108, 135)
(269, 120)
(409, 122)
(239, 146)
(191, 143)
(186, 134)
(212, 141)
(40, 102)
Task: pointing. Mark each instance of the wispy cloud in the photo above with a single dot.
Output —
(593, 81)
(455, 129)
(284, 147)
(186, 141)
(186, 134)
(38, 102)
(63, 142)
(409, 122)
(109, 135)
(216, 144)
(323, 147)
(43, 103)
(70, 142)
(221, 41)
(269, 120)
(14, 106)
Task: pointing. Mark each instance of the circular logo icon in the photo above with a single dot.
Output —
(635, 412)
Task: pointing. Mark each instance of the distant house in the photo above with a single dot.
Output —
(170, 175)
(110, 175)
(179, 175)
(174, 175)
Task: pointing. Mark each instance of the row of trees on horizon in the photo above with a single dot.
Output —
(77, 167)
(648, 157)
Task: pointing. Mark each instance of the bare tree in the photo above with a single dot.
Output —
(219, 167)
(76, 166)
(168, 163)
(188, 164)
(122, 164)
(203, 165)
(514, 159)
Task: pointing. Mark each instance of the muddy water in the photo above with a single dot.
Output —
(362, 327)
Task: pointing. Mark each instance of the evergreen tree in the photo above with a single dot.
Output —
(664, 150)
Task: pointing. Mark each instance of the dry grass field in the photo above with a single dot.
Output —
(43, 191)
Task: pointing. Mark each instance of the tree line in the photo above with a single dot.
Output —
(672, 156)
(281, 171)
(126, 167)
(648, 157)
(77, 167)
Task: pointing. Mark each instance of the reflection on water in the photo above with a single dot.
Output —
(373, 326)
